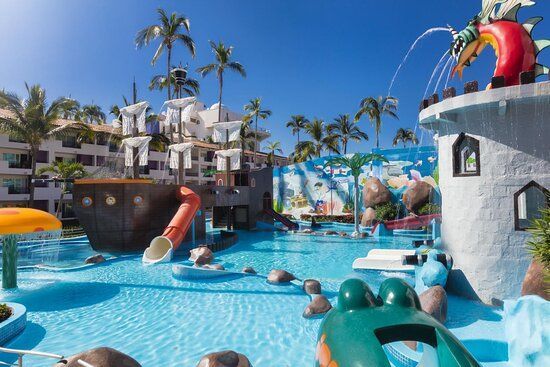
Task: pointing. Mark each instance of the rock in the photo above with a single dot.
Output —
(100, 357)
(312, 286)
(375, 193)
(226, 358)
(279, 276)
(318, 306)
(249, 270)
(434, 303)
(533, 283)
(368, 217)
(343, 234)
(360, 235)
(417, 195)
(201, 255)
(214, 266)
(307, 231)
(95, 259)
(330, 233)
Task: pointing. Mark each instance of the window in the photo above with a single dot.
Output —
(17, 160)
(70, 141)
(527, 204)
(99, 160)
(42, 156)
(85, 159)
(16, 185)
(466, 160)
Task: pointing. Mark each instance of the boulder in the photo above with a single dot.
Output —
(308, 231)
(226, 358)
(330, 233)
(417, 195)
(533, 283)
(434, 303)
(343, 234)
(95, 259)
(249, 270)
(312, 286)
(201, 255)
(100, 357)
(318, 306)
(214, 266)
(368, 217)
(375, 193)
(279, 276)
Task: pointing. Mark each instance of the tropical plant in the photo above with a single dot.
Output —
(355, 163)
(170, 30)
(387, 211)
(190, 86)
(32, 120)
(320, 142)
(255, 112)
(297, 123)
(345, 130)
(91, 114)
(375, 109)
(405, 136)
(5, 312)
(272, 148)
(539, 244)
(222, 54)
(64, 171)
(429, 208)
(70, 110)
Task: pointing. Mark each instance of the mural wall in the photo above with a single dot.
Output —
(312, 187)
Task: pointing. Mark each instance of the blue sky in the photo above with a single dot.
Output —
(311, 57)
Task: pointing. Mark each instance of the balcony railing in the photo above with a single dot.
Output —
(18, 190)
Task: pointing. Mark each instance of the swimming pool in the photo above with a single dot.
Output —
(158, 320)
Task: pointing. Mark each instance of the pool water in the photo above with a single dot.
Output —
(161, 321)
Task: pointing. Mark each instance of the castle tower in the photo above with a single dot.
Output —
(494, 175)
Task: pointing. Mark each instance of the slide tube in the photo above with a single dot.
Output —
(162, 247)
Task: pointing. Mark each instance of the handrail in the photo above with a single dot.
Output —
(21, 352)
(84, 363)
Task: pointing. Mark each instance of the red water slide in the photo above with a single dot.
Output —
(162, 247)
(409, 222)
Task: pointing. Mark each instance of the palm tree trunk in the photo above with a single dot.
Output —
(34, 152)
(60, 202)
(378, 123)
(169, 80)
(356, 203)
(298, 136)
(345, 143)
(255, 139)
(220, 98)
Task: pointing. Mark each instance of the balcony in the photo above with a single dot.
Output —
(14, 190)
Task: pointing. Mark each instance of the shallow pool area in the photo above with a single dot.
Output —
(146, 313)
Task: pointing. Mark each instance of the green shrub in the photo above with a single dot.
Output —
(328, 218)
(5, 312)
(429, 208)
(539, 244)
(387, 211)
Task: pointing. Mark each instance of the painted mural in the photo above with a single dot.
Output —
(314, 187)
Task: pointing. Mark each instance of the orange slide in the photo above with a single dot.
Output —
(162, 247)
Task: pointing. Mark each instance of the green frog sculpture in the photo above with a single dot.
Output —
(352, 334)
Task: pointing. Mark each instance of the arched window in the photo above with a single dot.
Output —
(527, 204)
(466, 160)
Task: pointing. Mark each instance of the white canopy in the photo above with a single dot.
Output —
(175, 149)
(235, 159)
(140, 142)
(128, 114)
(222, 128)
(173, 106)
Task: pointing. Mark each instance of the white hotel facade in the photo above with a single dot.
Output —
(15, 162)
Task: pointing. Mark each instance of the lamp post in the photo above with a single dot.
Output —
(180, 75)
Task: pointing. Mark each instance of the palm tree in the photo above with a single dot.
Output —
(33, 121)
(355, 163)
(222, 55)
(190, 86)
(70, 109)
(64, 171)
(345, 131)
(297, 123)
(375, 109)
(321, 141)
(273, 147)
(91, 113)
(405, 135)
(255, 111)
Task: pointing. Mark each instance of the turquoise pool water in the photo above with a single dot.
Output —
(161, 321)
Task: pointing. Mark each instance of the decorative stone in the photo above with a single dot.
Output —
(312, 286)
(280, 276)
(418, 194)
(533, 283)
(471, 87)
(95, 259)
(226, 358)
(343, 234)
(434, 303)
(449, 93)
(368, 217)
(201, 255)
(249, 270)
(100, 357)
(330, 233)
(498, 82)
(360, 235)
(214, 266)
(375, 193)
(318, 306)
(307, 231)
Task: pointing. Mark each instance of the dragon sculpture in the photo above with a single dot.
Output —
(514, 46)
